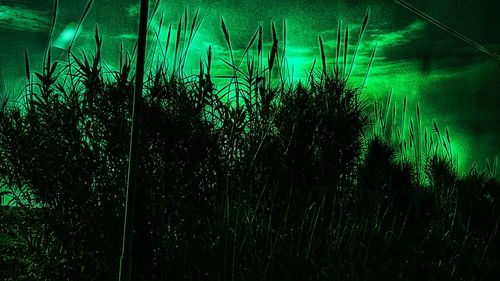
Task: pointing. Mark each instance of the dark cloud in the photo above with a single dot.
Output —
(20, 18)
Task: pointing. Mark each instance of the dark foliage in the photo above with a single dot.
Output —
(281, 185)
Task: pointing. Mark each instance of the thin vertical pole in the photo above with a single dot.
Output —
(126, 259)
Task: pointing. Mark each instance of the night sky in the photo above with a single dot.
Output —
(454, 83)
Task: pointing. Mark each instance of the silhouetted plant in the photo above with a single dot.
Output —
(260, 180)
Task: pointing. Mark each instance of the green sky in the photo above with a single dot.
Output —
(455, 84)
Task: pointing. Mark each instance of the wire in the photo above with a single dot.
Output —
(447, 29)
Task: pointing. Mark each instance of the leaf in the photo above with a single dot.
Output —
(346, 46)
(193, 25)
(233, 66)
(274, 49)
(372, 57)
(178, 39)
(404, 105)
(155, 9)
(436, 129)
(168, 38)
(323, 57)
(27, 65)
(284, 39)
(209, 59)
(226, 33)
(259, 46)
(418, 113)
(338, 45)
(312, 69)
(185, 20)
(53, 68)
(251, 42)
(40, 77)
(87, 9)
(275, 37)
(54, 16)
(365, 22)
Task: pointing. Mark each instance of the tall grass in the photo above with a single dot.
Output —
(259, 179)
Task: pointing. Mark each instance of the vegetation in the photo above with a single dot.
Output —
(259, 180)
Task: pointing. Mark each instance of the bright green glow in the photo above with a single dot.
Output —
(64, 39)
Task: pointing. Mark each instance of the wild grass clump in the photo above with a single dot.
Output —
(259, 180)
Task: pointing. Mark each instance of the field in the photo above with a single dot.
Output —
(261, 178)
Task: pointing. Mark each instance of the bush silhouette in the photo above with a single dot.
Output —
(281, 184)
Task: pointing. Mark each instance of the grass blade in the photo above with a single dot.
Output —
(365, 22)
(323, 57)
(372, 57)
(338, 48)
(346, 46)
(259, 50)
(27, 65)
(436, 129)
(87, 9)
(404, 120)
(178, 41)
(54, 16)
(155, 9)
(168, 41)
(251, 43)
(274, 49)
(226, 33)
(193, 23)
(284, 42)
(209, 59)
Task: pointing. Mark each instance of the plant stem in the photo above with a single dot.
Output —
(126, 259)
